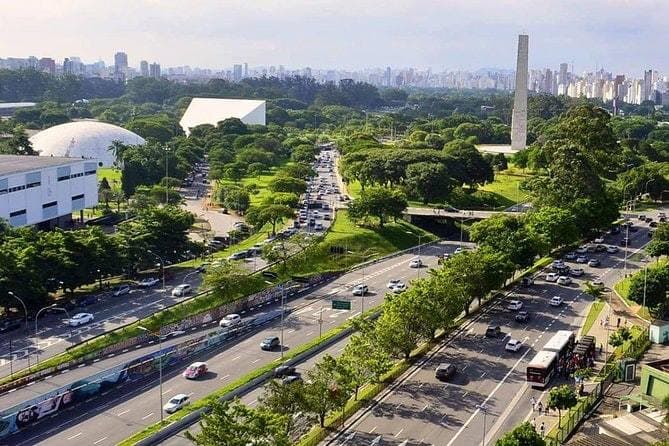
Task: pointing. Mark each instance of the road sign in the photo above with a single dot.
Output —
(341, 304)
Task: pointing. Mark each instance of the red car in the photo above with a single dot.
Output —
(195, 370)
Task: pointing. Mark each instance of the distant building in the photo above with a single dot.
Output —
(246, 70)
(212, 111)
(47, 64)
(144, 68)
(45, 191)
(154, 70)
(120, 63)
(8, 108)
(237, 73)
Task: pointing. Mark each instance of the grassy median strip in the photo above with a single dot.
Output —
(206, 401)
(593, 314)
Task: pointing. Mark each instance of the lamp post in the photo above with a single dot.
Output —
(50, 307)
(162, 266)
(167, 181)
(99, 278)
(484, 409)
(645, 189)
(283, 310)
(25, 310)
(11, 354)
(183, 282)
(645, 280)
(419, 238)
(160, 368)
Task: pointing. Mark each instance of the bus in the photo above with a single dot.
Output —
(561, 343)
(541, 369)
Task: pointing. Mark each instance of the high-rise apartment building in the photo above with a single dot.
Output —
(519, 114)
(648, 86)
(47, 64)
(563, 76)
(144, 68)
(246, 70)
(120, 63)
(154, 70)
(237, 73)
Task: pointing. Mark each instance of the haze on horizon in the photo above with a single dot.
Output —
(620, 35)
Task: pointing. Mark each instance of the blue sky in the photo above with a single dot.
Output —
(621, 35)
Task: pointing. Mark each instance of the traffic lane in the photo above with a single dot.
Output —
(241, 358)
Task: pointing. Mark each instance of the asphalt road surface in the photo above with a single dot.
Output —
(420, 409)
(125, 410)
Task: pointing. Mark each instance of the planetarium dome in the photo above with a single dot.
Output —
(84, 139)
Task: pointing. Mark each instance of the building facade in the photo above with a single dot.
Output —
(45, 191)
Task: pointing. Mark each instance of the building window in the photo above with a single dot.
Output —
(63, 178)
(17, 213)
(90, 172)
(3, 191)
(35, 184)
(78, 197)
(48, 205)
(16, 188)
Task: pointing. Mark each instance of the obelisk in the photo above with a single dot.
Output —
(519, 115)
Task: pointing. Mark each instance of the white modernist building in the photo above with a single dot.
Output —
(84, 139)
(45, 191)
(213, 110)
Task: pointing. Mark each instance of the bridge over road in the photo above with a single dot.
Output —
(445, 213)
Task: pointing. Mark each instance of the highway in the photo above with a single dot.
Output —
(119, 413)
(419, 409)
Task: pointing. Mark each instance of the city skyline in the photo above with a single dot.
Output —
(468, 36)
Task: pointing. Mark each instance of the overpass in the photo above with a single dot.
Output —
(461, 214)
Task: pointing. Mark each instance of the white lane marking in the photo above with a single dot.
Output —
(100, 440)
(235, 358)
(74, 436)
(398, 434)
(167, 391)
(373, 429)
(225, 377)
(147, 416)
(255, 360)
(122, 413)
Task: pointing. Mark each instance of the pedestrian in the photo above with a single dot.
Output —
(533, 402)
(534, 424)
(540, 407)
(546, 410)
(542, 429)
(600, 348)
(618, 324)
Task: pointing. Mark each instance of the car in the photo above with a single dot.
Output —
(80, 319)
(513, 345)
(195, 370)
(202, 268)
(444, 371)
(612, 249)
(594, 262)
(563, 271)
(148, 282)
(662, 219)
(291, 379)
(581, 249)
(360, 289)
(552, 277)
(181, 290)
(270, 343)
(254, 251)
(318, 226)
(393, 282)
(527, 281)
(415, 263)
(458, 250)
(522, 316)
(87, 300)
(177, 402)
(327, 217)
(570, 256)
(493, 331)
(556, 301)
(120, 290)
(597, 282)
(283, 370)
(581, 259)
(514, 305)
(599, 240)
(7, 325)
(557, 264)
(634, 228)
(653, 224)
(399, 288)
(661, 214)
(238, 255)
(564, 280)
(591, 248)
(642, 217)
(577, 272)
(230, 320)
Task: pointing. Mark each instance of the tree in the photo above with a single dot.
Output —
(230, 279)
(665, 406)
(619, 336)
(365, 361)
(523, 435)
(232, 423)
(555, 225)
(283, 399)
(18, 143)
(561, 398)
(379, 202)
(428, 181)
(234, 197)
(288, 184)
(328, 387)
(650, 287)
(473, 169)
(272, 214)
(104, 192)
(507, 235)
(659, 245)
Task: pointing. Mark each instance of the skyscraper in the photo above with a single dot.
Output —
(246, 69)
(519, 115)
(647, 86)
(120, 62)
(144, 68)
(237, 73)
(48, 65)
(562, 77)
(154, 70)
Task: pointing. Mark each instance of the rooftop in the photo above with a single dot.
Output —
(12, 164)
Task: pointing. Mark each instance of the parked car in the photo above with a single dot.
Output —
(238, 255)
(80, 319)
(597, 282)
(120, 290)
(7, 325)
(599, 240)
(577, 272)
(527, 281)
(270, 343)
(514, 305)
(181, 290)
(148, 282)
(522, 316)
(612, 249)
(493, 331)
(290, 379)
(552, 277)
(581, 259)
(556, 301)
(195, 370)
(444, 371)
(564, 280)
(399, 288)
(360, 290)
(570, 256)
(513, 345)
(87, 300)
(177, 402)
(594, 262)
(230, 320)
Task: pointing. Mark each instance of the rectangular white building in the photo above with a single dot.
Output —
(45, 191)
(214, 110)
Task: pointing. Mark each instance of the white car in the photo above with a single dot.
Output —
(415, 263)
(458, 250)
(556, 301)
(552, 277)
(80, 319)
(230, 320)
(148, 282)
(599, 240)
(513, 345)
(582, 249)
(514, 305)
(564, 280)
(176, 402)
(597, 282)
(360, 290)
(393, 282)
(399, 288)
(181, 290)
(121, 290)
(612, 249)
(581, 259)
(577, 272)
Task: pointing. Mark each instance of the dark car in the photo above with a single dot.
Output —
(653, 224)
(522, 316)
(9, 325)
(563, 270)
(86, 301)
(290, 379)
(283, 370)
(633, 228)
(527, 281)
(493, 331)
(270, 343)
(444, 371)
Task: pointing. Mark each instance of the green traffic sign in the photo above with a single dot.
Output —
(341, 304)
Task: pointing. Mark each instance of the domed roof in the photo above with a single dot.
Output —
(83, 139)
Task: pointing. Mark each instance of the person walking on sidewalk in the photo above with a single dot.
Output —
(534, 424)
(533, 402)
(540, 407)
(542, 429)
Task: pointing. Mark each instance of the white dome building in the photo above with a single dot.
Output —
(84, 139)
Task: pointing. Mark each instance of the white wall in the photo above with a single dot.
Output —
(50, 190)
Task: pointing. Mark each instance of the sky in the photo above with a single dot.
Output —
(624, 36)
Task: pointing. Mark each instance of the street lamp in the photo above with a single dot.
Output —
(183, 282)
(419, 237)
(483, 408)
(162, 266)
(11, 354)
(99, 278)
(50, 307)
(645, 280)
(25, 310)
(646, 187)
(167, 181)
(160, 368)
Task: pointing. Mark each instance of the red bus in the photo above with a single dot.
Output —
(541, 369)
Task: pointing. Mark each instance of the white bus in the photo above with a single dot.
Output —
(561, 343)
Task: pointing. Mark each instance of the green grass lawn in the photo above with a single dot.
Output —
(506, 185)
(110, 173)
(593, 314)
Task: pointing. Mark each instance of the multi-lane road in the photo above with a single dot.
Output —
(119, 413)
(419, 409)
